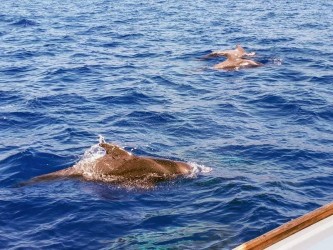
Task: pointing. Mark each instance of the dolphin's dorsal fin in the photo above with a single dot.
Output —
(114, 150)
(240, 49)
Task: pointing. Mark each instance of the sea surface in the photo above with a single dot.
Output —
(134, 72)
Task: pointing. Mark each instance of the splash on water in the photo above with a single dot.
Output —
(197, 169)
(101, 139)
(277, 61)
(93, 153)
(87, 163)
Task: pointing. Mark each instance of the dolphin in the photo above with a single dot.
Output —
(234, 62)
(120, 166)
(239, 52)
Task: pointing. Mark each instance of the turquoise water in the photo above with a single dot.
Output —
(134, 73)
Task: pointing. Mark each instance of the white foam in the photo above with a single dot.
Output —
(101, 139)
(197, 169)
(277, 61)
(87, 162)
(93, 153)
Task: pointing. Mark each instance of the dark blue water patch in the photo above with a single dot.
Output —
(226, 188)
(299, 111)
(57, 40)
(23, 120)
(56, 209)
(151, 118)
(10, 97)
(135, 55)
(16, 70)
(113, 44)
(230, 110)
(280, 105)
(268, 152)
(322, 181)
(268, 15)
(325, 79)
(129, 36)
(291, 75)
(319, 65)
(98, 29)
(166, 239)
(163, 221)
(35, 163)
(309, 26)
(261, 226)
(305, 61)
(79, 55)
(130, 97)
(230, 29)
(67, 133)
(56, 101)
(326, 113)
(25, 22)
(290, 50)
(190, 55)
(162, 80)
(277, 40)
(3, 18)
(269, 100)
(24, 54)
(149, 55)
(121, 122)
(63, 71)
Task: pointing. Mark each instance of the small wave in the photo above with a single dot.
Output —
(85, 69)
(56, 100)
(131, 97)
(113, 44)
(25, 23)
(16, 70)
(152, 117)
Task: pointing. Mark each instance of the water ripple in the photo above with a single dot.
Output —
(24, 22)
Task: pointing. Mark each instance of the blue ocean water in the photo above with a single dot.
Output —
(133, 72)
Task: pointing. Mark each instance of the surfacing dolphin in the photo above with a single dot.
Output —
(122, 167)
(234, 63)
(239, 52)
